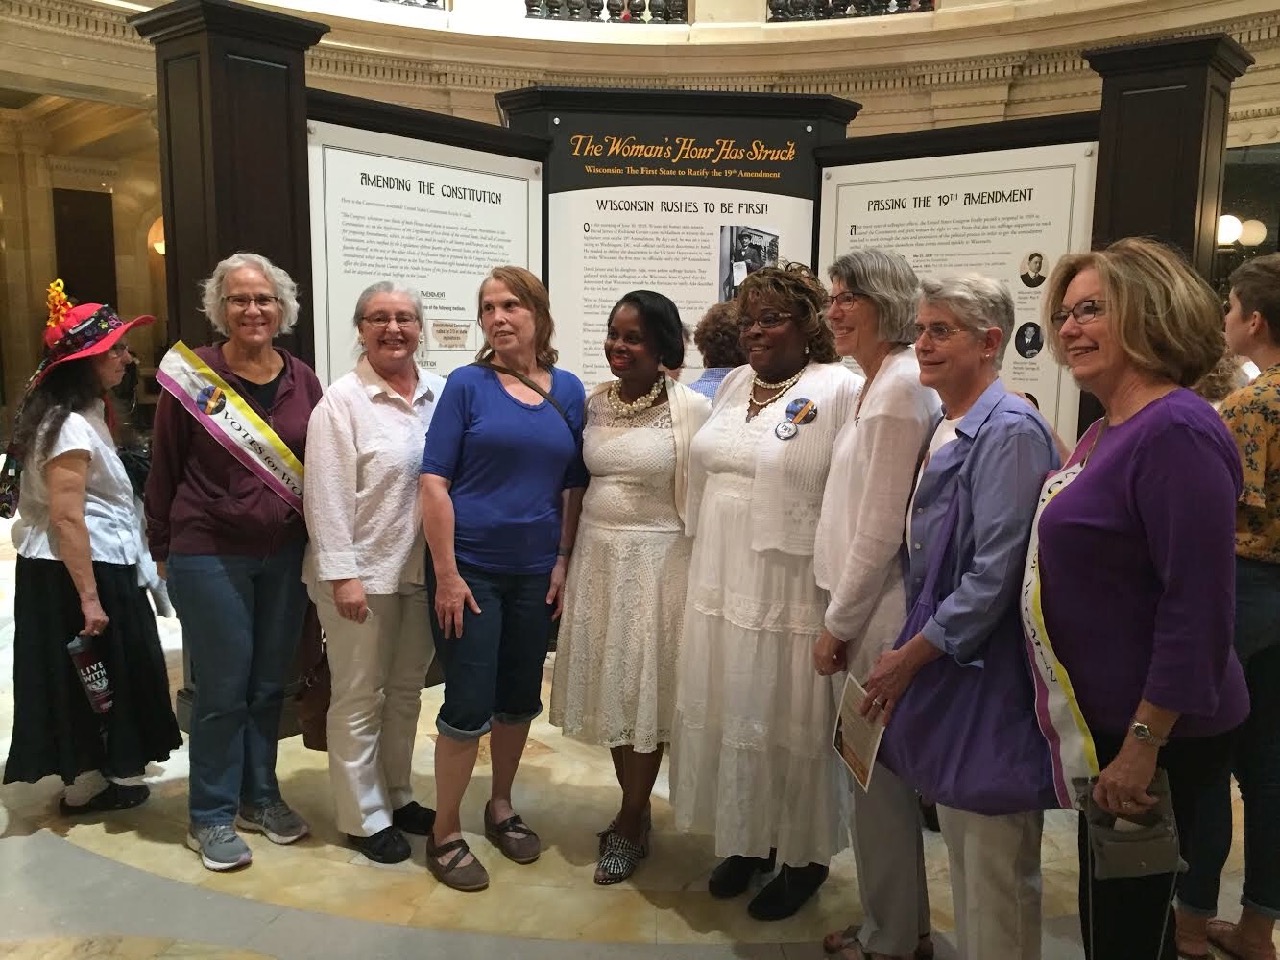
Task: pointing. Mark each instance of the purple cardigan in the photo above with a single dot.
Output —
(1138, 570)
(199, 498)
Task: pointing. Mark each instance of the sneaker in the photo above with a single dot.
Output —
(219, 846)
(274, 819)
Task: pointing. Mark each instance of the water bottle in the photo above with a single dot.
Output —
(92, 672)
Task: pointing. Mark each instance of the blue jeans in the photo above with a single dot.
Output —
(494, 671)
(241, 619)
(1256, 762)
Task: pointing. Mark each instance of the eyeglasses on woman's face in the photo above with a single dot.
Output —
(768, 319)
(937, 332)
(383, 320)
(847, 298)
(1086, 311)
(241, 301)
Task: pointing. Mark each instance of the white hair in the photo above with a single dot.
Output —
(394, 287)
(979, 303)
(211, 290)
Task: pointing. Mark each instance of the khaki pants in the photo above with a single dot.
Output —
(995, 883)
(377, 670)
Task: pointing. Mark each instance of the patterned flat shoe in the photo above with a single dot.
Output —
(620, 858)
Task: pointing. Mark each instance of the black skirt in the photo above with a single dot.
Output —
(54, 729)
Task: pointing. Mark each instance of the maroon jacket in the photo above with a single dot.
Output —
(199, 498)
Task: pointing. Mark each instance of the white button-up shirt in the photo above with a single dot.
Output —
(360, 491)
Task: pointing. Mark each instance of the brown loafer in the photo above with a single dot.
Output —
(467, 879)
(513, 837)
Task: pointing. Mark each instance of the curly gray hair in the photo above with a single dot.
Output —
(977, 302)
(212, 288)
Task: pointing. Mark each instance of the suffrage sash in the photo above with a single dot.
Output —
(232, 422)
(1072, 754)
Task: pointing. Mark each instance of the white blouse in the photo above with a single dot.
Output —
(115, 533)
(360, 490)
(864, 505)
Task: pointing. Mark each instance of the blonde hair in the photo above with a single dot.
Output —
(1165, 317)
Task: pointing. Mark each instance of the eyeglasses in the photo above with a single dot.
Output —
(937, 332)
(241, 301)
(1086, 311)
(846, 298)
(767, 321)
(381, 320)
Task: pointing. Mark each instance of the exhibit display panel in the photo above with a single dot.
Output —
(1008, 214)
(436, 217)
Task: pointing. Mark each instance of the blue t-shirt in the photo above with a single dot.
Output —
(507, 463)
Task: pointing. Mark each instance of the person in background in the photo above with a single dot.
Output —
(501, 489)
(624, 599)
(1128, 603)
(719, 341)
(856, 560)
(225, 517)
(365, 570)
(1226, 377)
(955, 693)
(751, 753)
(1252, 414)
(79, 542)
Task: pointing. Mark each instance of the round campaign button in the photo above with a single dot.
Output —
(785, 430)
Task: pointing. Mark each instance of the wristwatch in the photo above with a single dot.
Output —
(1142, 733)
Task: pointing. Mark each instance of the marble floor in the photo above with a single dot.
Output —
(124, 886)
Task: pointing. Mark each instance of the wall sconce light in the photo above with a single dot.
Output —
(1252, 233)
(1229, 230)
(155, 236)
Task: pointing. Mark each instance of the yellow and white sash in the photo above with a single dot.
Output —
(1072, 753)
(232, 422)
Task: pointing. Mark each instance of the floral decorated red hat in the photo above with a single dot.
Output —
(73, 333)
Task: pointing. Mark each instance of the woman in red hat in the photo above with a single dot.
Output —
(98, 720)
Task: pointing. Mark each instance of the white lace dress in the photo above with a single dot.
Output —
(614, 681)
(752, 761)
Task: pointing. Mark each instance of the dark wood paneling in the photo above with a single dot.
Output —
(956, 141)
(85, 243)
(377, 117)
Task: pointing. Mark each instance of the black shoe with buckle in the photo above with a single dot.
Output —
(733, 875)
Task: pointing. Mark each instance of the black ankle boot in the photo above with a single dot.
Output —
(732, 875)
(787, 892)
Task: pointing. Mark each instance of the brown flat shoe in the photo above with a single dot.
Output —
(469, 878)
(513, 837)
(1226, 937)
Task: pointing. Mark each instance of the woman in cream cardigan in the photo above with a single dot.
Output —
(624, 602)
(751, 758)
(856, 559)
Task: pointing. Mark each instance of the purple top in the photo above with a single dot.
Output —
(1138, 571)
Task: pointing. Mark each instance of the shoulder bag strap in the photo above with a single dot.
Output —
(531, 385)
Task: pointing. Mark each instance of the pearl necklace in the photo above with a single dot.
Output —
(624, 409)
(780, 388)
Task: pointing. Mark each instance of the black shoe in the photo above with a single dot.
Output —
(385, 846)
(787, 892)
(115, 796)
(929, 815)
(732, 875)
(414, 818)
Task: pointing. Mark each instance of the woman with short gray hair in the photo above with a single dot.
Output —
(365, 569)
(224, 515)
(954, 692)
(873, 464)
